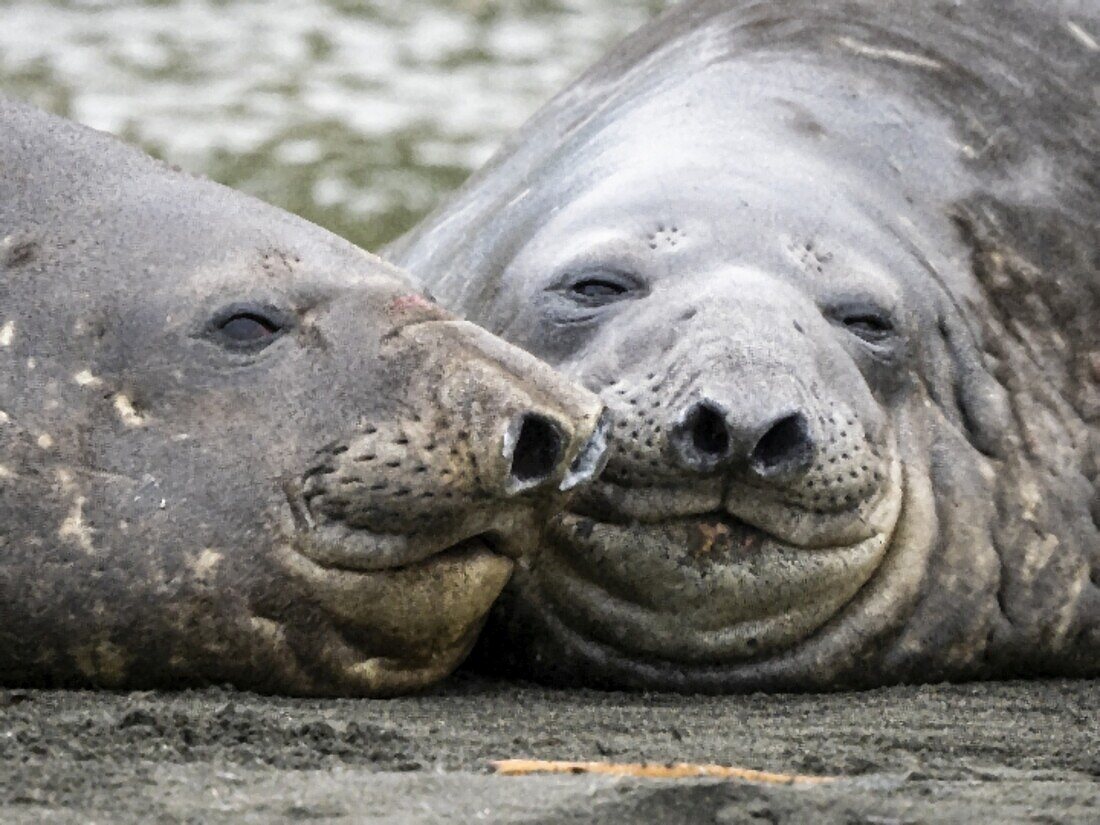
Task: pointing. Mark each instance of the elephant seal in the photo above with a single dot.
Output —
(833, 266)
(235, 448)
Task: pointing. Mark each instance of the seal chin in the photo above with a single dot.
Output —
(402, 628)
(387, 676)
(406, 609)
(706, 589)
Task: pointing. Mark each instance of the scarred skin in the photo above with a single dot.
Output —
(234, 448)
(833, 268)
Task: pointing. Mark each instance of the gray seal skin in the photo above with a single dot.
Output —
(235, 448)
(833, 267)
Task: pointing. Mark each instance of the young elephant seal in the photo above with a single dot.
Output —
(235, 448)
(833, 266)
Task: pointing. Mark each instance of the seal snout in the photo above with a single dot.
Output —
(484, 441)
(707, 436)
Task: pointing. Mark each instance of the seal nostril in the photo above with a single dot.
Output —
(537, 452)
(709, 434)
(786, 446)
(701, 439)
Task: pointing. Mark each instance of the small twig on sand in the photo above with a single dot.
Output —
(653, 770)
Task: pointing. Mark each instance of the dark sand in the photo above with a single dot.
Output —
(981, 753)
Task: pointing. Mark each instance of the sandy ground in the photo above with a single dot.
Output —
(1005, 752)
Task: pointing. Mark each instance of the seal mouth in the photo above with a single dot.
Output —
(334, 544)
(700, 588)
(733, 592)
(746, 507)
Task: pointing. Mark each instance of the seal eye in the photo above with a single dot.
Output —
(597, 289)
(247, 328)
(869, 326)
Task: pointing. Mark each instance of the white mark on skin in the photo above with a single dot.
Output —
(1070, 604)
(206, 562)
(74, 527)
(5, 472)
(1038, 557)
(125, 409)
(1082, 36)
(4, 417)
(7, 334)
(893, 55)
(370, 672)
(180, 437)
(84, 378)
(163, 504)
(1030, 498)
(31, 364)
(45, 441)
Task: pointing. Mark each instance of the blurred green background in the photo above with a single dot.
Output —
(357, 115)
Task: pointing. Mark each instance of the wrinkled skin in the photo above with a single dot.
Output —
(839, 289)
(234, 448)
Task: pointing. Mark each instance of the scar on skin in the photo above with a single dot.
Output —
(74, 527)
(5, 472)
(17, 249)
(84, 378)
(893, 55)
(413, 301)
(4, 417)
(125, 409)
(45, 441)
(1082, 36)
(7, 334)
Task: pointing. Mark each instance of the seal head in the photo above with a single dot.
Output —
(804, 253)
(234, 448)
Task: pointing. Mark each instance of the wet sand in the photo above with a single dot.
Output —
(1001, 752)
